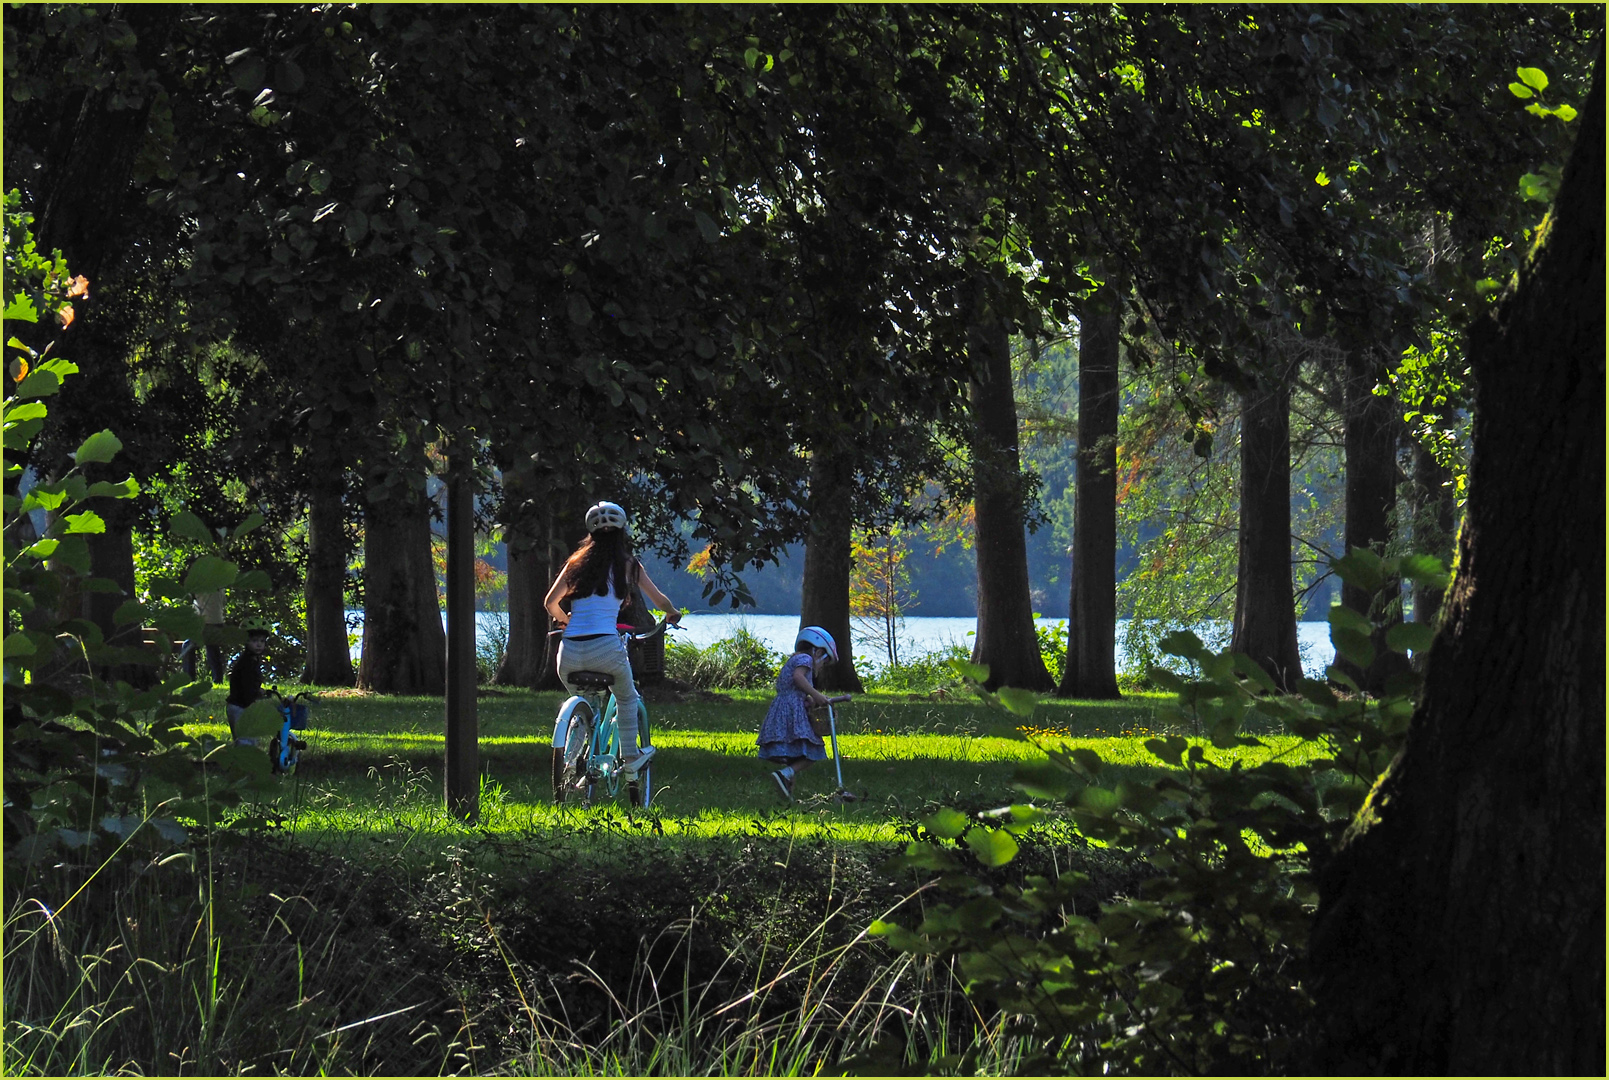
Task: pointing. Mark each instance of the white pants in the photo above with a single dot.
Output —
(605, 654)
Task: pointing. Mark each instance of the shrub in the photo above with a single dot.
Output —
(739, 662)
(1202, 968)
(921, 674)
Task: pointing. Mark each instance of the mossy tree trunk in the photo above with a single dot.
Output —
(1461, 927)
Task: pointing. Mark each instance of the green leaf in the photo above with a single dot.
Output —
(1354, 646)
(99, 447)
(17, 644)
(1347, 619)
(707, 228)
(993, 847)
(38, 383)
(899, 937)
(1021, 702)
(254, 581)
(179, 624)
(1566, 113)
(946, 823)
(1170, 750)
(580, 310)
(1099, 800)
(129, 611)
(1183, 643)
(122, 489)
(262, 717)
(26, 410)
(186, 526)
(1410, 635)
(1360, 568)
(1088, 760)
(1532, 77)
(1424, 570)
(968, 671)
(253, 521)
(21, 309)
(87, 522)
(1519, 90)
(209, 574)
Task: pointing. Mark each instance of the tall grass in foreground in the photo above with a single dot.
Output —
(179, 969)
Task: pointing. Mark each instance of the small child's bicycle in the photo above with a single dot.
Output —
(285, 749)
(586, 741)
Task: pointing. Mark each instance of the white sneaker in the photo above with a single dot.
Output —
(631, 767)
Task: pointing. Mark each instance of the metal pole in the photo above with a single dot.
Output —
(463, 729)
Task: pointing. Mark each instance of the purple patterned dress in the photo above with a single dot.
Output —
(786, 732)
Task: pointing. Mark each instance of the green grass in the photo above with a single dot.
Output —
(373, 766)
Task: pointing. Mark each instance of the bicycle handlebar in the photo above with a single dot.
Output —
(839, 700)
(654, 631)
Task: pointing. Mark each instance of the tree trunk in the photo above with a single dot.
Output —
(566, 528)
(528, 622)
(1435, 522)
(329, 658)
(1371, 503)
(1265, 608)
(404, 644)
(1461, 926)
(824, 599)
(1005, 641)
(1092, 609)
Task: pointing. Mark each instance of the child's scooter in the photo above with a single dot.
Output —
(843, 794)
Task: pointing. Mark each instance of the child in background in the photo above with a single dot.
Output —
(246, 674)
(786, 735)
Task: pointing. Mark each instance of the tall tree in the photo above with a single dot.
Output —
(329, 658)
(1005, 640)
(404, 644)
(824, 599)
(1372, 429)
(1461, 927)
(1265, 608)
(1091, 670)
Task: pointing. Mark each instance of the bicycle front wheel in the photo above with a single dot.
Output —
(641, 793)
(572, 753)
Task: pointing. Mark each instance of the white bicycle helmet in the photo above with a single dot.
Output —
(607, 515)
(818, 637)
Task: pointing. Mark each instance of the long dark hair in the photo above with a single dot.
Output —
(603, 556)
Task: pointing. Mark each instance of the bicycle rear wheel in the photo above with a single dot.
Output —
(571, 781)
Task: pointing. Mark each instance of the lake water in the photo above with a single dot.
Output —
(920, 635)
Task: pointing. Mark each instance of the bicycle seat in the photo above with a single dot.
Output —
(591, 680)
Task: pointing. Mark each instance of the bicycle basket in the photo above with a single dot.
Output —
(298, 714)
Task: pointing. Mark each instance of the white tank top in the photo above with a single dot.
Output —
(594, 614)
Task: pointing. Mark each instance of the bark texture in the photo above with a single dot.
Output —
(1461, 927)
(404, 644)
(528, 623)
(1265, 609)
(1005, 640)
(329, 659)
(824, 599)
(1372, 428)
(1092, 624)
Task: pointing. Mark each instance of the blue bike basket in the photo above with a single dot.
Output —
(298, 714)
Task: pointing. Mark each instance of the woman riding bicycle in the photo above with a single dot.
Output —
(596, 581)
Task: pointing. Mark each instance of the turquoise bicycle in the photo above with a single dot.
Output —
(586, 741)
